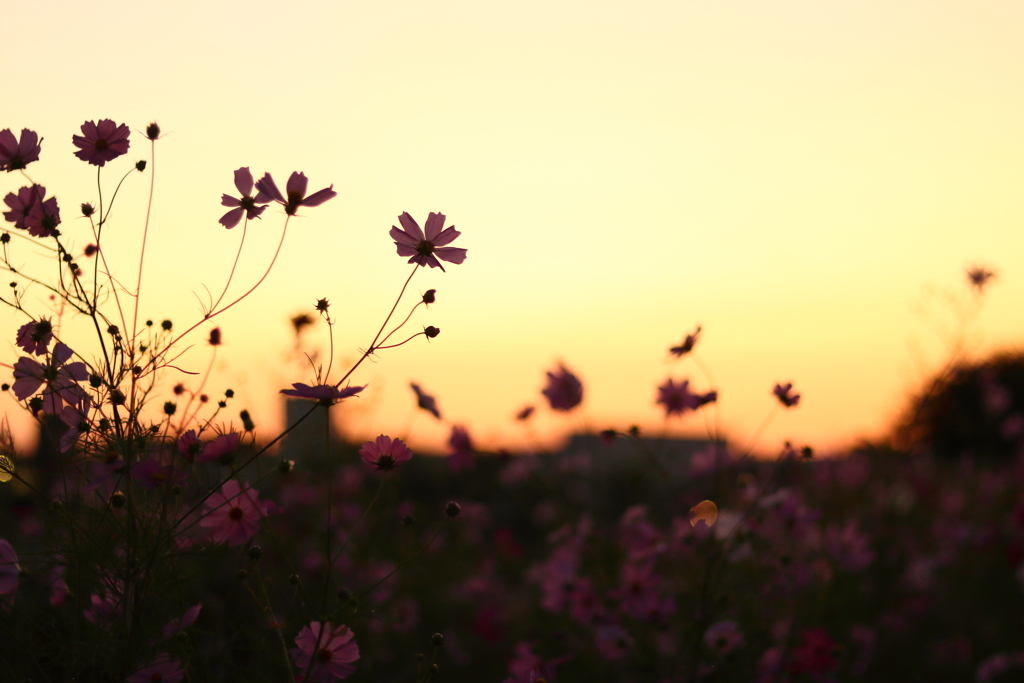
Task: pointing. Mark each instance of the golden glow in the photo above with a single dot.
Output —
(793, 176)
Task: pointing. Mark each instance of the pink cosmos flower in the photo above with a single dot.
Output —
(35, 336)
(326, 394)
(175, 625)
(816, 655)
(384, 453)
(102, 608)
(223, 445)
(8, 574)
(152, 473)
(246, 204)
(233, 514)
(426, 401)
(101, 142)
(461, 455)
(564, 389)
(331, 649)
(21, 205)
(677, 398)
(687, 345)
(296, 190)
(17, 154)
(190, 445)
(425, 250)
(59, 376)
(785, 395)
(162, 670)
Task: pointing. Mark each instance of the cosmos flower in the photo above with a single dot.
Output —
(21, 205)
(59, 376)
(331, 649)
(384, 453)
(246, 204)
(234, 512)
(43, 218)
(426, 401)
(101, 142)
(35, 336)
(785, 395)
(677, 398)
(326, 394)
(460, 457)
(296, 191)
(426, 249)
(163, 669)
(688, 343)
(564, 389)
(17, 154)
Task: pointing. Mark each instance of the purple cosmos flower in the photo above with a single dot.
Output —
(785, 395)
(687, 345)
(17, 154)
(76, 417)
(163, 669)
(296, 190)
(384, 453)
(43, 218)
(59, 376)
(22, 204)
(246, 204)
(331, 649)
(101, 142)
(8, 574)
(326, 394)
(35, 336)
(190, 445)
(425, 250)
(461, 455)
(564, 389)
(677, 398)
(426, 401)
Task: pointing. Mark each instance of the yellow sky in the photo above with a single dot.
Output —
(801, 178)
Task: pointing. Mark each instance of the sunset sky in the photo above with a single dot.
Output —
(808, 181)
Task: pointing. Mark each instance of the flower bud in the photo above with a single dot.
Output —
(170, 408)
(166, 325)
(152, 131)
(255, 552)
(437, 639)
(293, 579)
(215, 337)
(452, 509)
(5, 238)
(117, 499)
(428, 296)
(247, 422)
(140, 165)
(431, 331)
(88, 209)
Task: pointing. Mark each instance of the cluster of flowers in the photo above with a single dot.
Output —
(137, 491)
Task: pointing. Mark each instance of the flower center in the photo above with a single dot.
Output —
(101, 145)
(156, 678)
(425, 248)
(385, 462)
(236, 514)
(323, 656)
